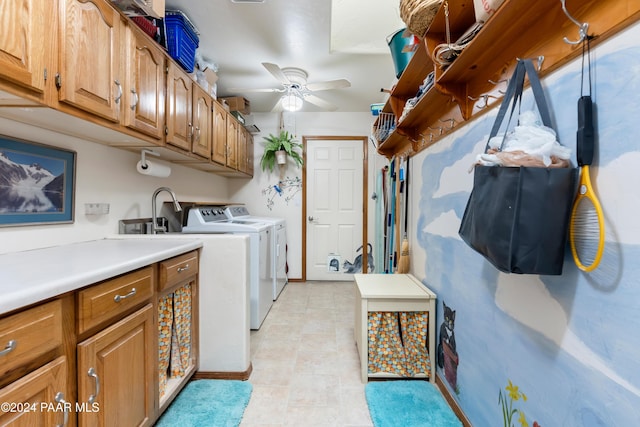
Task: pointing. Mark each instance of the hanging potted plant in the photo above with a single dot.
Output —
(278, 148)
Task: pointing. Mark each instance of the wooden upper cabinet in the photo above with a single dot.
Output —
(144, 91)
(241, 145)
(179, 105)
(24, 33)
(90, 50)
(219, 134)
(202, 124)
(249, 150)
(232, 142)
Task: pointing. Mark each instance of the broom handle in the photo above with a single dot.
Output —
(406, 196)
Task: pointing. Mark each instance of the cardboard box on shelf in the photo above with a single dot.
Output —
(238, 103)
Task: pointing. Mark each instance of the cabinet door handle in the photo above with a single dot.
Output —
(9, 347)
(185, 268)
(92, 373)
(65, 417)
(136, 99)
(119, 298)
(117, 82)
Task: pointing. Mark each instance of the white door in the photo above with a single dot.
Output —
(334, 220)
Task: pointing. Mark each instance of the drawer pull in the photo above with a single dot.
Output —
(119, 298)
(92, 373)
(60, 399)
(185, 268)
(9, 347)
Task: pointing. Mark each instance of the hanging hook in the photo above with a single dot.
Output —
(502, 92)
(583, 27)
(540, 60)
(451, 121)
(485, 98)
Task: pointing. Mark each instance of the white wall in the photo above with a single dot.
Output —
(254, 193)
(106, 175)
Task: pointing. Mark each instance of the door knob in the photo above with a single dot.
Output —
(311, 218)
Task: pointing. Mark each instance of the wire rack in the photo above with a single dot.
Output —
(383, 126)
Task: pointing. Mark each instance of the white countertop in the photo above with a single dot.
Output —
(31, 276)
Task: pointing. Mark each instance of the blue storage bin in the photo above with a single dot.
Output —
(182, 40)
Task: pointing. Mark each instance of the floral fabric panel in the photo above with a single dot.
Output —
(181, 341)
(165, 326)
(397, 343)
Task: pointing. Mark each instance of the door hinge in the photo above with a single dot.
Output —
(45, 74)
(166, 130)
(58, 81)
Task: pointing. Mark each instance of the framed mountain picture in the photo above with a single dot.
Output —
(37, 183)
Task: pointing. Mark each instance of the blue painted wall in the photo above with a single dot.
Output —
(570, 343)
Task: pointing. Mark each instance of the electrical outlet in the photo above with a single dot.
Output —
(96, 208)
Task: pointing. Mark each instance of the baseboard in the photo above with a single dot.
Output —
(212, 375)
(452, 402)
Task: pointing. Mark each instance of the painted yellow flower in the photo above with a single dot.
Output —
(523, 420)
(513, 391)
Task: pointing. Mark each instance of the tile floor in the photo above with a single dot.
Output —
(306, 370)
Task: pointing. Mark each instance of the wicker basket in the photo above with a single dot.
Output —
(418, 14)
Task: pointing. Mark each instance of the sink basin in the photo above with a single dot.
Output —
(142, 225)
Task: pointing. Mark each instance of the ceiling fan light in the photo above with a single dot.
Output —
(292, 101)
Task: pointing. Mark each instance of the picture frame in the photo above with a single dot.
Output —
(37, 183)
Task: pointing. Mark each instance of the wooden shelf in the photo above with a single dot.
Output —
(517, 30)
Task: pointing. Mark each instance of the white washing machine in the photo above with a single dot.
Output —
(212, 219)
(278, 256)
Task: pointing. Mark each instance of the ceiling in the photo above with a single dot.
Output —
(239, 37)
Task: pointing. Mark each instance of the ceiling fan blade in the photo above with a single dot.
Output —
(320, 102)
(331, 84)
(244, 89)
(276, 72)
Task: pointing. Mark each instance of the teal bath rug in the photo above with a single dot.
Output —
(208, 403)
(408, 403)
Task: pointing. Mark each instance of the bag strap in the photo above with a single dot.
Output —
(514, 92)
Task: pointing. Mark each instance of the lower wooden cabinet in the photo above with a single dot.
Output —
(116, 372)
(38, 398)
(135, 339)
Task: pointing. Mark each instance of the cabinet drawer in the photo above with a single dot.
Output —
(106, 300)
(177, 269)
(29, 334)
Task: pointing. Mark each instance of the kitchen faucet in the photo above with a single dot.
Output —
(154, 216)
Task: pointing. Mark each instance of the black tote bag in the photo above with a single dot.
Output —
(518, 217)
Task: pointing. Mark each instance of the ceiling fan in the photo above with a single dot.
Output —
(295, 88)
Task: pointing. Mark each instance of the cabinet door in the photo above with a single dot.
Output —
(202, 126)
(249, 154)
(90, 51)
(40, 393)
(242, 149)
(219, 134)
(144, 93)
(22, 41)
(179, 104)
(232, 142)
(116, 370)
